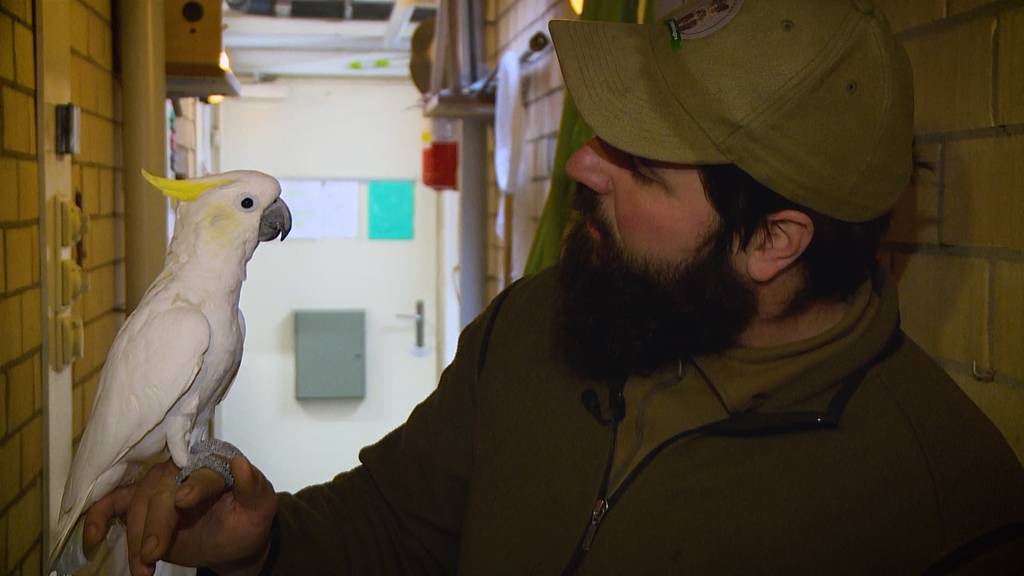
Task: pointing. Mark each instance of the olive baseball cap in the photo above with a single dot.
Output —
(813, 98)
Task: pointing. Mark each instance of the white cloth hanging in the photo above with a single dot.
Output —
(509, 168)
(509, 157)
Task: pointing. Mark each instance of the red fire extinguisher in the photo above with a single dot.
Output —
(440, 154)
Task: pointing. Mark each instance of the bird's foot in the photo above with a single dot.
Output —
(213, 454)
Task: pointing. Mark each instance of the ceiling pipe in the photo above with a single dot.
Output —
(143, 87)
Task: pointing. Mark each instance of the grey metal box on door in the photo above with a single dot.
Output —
(330, 354)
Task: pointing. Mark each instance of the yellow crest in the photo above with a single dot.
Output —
(183, 190)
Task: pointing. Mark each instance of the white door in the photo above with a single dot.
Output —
(343, 130)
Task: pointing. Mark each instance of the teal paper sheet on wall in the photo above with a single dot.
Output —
(390, 205)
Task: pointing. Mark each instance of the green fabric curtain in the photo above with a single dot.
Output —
(572, 133)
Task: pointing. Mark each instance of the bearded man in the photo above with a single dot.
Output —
(713, 380)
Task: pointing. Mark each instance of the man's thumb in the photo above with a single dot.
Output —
(250, 485)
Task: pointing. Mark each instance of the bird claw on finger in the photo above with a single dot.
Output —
(213, 454)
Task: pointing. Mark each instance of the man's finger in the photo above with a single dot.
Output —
(98, 516)
(200, 486)
(136, 525)
(161, 518)
(158, 478)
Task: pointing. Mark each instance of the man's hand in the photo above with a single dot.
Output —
(195, 524)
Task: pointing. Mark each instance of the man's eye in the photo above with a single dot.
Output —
(641, 172)
(641, 178)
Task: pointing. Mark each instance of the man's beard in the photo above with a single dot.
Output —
(623, 315)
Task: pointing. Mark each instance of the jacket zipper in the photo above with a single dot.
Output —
(605, 502)
(600, 509)
(601, 503)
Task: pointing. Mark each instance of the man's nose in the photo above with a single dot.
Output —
(589, 167)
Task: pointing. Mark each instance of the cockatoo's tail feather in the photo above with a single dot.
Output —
(72, 556)
(183, 190)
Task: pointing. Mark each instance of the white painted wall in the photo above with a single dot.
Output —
(326, 129)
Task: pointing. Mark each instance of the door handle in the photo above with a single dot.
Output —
(419, 318)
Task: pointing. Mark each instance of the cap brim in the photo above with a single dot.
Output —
(610, 72)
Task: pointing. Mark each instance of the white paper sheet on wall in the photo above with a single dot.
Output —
(322, 208)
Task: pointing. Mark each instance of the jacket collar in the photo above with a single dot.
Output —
(806, 384)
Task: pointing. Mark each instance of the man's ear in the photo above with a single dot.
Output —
(788, 234)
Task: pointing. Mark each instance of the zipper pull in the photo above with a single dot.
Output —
(600, 509)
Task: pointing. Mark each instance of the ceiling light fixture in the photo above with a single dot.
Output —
(225, 62)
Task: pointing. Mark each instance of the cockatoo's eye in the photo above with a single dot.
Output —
(247, 203)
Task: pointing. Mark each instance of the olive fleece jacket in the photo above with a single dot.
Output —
(872, 462)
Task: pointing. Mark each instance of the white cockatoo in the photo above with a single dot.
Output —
(177, 353)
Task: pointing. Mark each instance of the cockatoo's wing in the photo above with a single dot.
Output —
(152, 363)
(236, 363)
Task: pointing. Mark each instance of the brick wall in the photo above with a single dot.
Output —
(21, 441)
(509, 24)
(957, 241)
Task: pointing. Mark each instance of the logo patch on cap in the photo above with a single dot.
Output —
(703, 19)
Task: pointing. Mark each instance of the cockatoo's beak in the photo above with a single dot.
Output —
(276, 219)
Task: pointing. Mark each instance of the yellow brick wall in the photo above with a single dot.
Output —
(957, 241)
(96, 178)
(21, 431)
(509, 24)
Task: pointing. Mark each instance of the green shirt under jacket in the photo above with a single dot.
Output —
(873, 462)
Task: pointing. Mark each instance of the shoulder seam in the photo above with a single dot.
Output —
(924, 453)
(492, 318)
